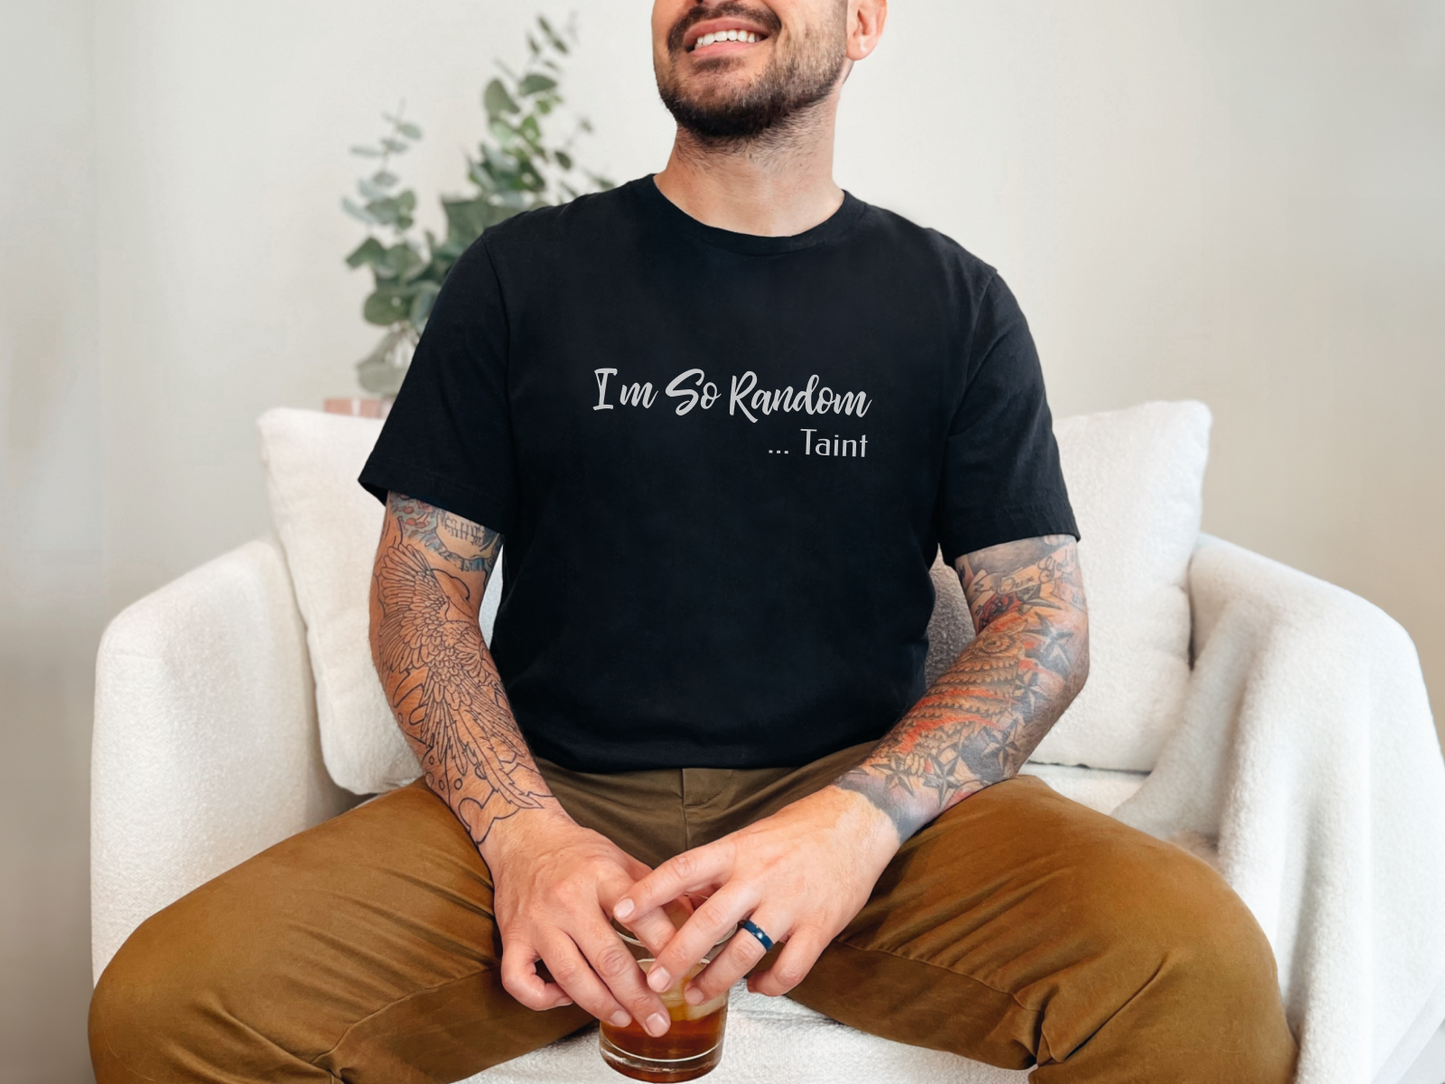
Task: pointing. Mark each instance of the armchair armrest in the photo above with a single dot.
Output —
(1306, 747)
(205, 748)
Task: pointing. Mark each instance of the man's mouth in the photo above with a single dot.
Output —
(720, 42)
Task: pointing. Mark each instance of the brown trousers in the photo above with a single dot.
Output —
(1018, 928)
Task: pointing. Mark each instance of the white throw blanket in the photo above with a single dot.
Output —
(1308, 752)
(767, 1041)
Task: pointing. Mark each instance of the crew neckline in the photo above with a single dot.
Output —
(673, 216)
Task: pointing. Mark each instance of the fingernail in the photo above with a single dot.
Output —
(564, 1002)
(623, 909)
(656, 1024)
(659, 979)
(693, 996)
(620, 1019)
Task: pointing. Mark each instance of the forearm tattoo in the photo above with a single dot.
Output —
(982, 718)
(438, 676)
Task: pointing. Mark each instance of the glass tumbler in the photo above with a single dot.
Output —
(692, 1046)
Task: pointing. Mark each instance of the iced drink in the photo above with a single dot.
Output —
(691, 1047)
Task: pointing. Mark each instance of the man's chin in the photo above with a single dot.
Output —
(708, 85)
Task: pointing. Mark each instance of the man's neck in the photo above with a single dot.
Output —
(777, 186)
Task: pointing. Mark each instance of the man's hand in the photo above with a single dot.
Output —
(556, 882)
(801, 875)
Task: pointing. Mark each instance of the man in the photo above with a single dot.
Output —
(724, 416)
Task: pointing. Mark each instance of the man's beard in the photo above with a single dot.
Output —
(788, 85)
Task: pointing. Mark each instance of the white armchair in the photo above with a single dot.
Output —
(1304, 765)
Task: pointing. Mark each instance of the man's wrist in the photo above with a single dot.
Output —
(871, 826)
(904, 810)
(526, 830)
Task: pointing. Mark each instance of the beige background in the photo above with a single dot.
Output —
(1233, 201)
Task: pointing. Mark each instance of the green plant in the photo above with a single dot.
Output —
(518, 168)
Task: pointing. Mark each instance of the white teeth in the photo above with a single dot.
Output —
(725, 35)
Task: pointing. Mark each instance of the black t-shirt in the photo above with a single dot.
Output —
(723, 465)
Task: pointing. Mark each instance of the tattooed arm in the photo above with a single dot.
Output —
(984, 715)
(430, 571)
(553, 879)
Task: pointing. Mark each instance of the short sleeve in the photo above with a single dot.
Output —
(1001, 477)
(448, 438)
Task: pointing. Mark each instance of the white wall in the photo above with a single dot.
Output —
(1236, 202)
(51, 551)
(51, 546)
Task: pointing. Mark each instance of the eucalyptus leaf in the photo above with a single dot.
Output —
(480, 177)
(402, 261)
(466, 219)
(379, 376)
(565, 161)
(368, 252)
(497, 101)
(370, 190)
(382, 371)
(557, 42)
(532, 180)
(366, 152)
(395, 146)
(501, 162)
(360, 212)
(384, 178)
(535, 83)
(449, 250)
(383, 211)
(388, 304)
(421, 304)
(408, 129)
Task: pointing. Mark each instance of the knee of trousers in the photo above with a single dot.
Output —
(1186, 960)
(160, 1008)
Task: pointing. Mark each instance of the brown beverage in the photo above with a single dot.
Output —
(691, 1047)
